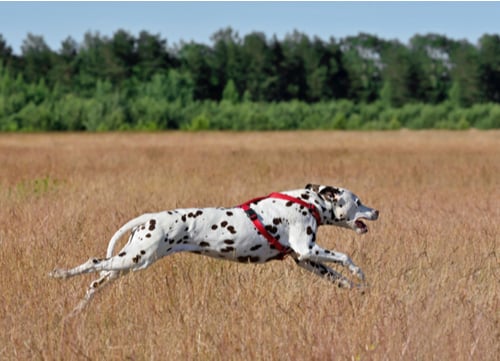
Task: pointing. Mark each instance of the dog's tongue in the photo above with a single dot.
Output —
(361, 225)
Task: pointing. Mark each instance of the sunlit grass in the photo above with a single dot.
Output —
(431, 259)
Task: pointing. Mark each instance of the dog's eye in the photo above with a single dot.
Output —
(358, 202)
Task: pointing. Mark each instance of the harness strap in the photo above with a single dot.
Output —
(262, 229)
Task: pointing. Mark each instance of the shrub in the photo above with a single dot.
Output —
(200, 122)
(491, 120)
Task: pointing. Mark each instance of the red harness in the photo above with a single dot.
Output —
(262, 229)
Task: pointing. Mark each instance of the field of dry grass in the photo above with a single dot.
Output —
(432, 259)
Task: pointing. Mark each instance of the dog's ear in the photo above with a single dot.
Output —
(313, 187)
(330, 193)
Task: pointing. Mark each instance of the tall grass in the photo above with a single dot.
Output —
(431, 259)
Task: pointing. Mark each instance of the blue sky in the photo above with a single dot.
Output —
(176, 21)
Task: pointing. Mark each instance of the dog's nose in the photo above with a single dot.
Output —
(376, 213)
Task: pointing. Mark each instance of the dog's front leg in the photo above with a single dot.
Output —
(326, 272)
(318, 254)
(303, 242)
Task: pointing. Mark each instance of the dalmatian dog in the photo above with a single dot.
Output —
(263, 229)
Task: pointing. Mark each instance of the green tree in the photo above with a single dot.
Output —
(6, 55)
(398, 75)
(293, 66)
(337, 82)
(194, 60)
(230, 94)
(65, 69)
(276, 82)
(152, 56)
(38, 58)
(226, 62)
(489, 67)
(122, 57)
(433, 64)
(91, 62)
(362, 59)
(464, 90)
(257, 62)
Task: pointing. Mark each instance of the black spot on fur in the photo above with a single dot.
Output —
(256, 247)
(122, 254)
(271, 229)
(227, 249)
(183, 218)
(231, 229)
(229, 213)
(276, 221)
(214, 227)
(136, 259)
(304, 196)
(148, 235)
(289, 203)
(228, 241)
(279, 256)
(223, 224)
(309, 230)
(204, 244)
(247, 259)
(143, 252)
(152, 224)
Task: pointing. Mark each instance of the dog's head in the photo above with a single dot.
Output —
(343, 208)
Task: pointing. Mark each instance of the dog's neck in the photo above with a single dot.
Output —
(324, 207)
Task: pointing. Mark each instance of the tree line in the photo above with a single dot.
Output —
(250, 82)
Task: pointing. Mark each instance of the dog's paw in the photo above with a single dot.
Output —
(358, 273)
(362, 287)
(345, 283)
(58, 273)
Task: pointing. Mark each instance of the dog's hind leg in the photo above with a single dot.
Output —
(96, 285)
(110, 268)
(325, 272)
(87, 267)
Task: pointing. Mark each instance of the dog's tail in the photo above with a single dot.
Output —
(124, 229)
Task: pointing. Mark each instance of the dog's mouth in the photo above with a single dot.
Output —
(360, 226)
